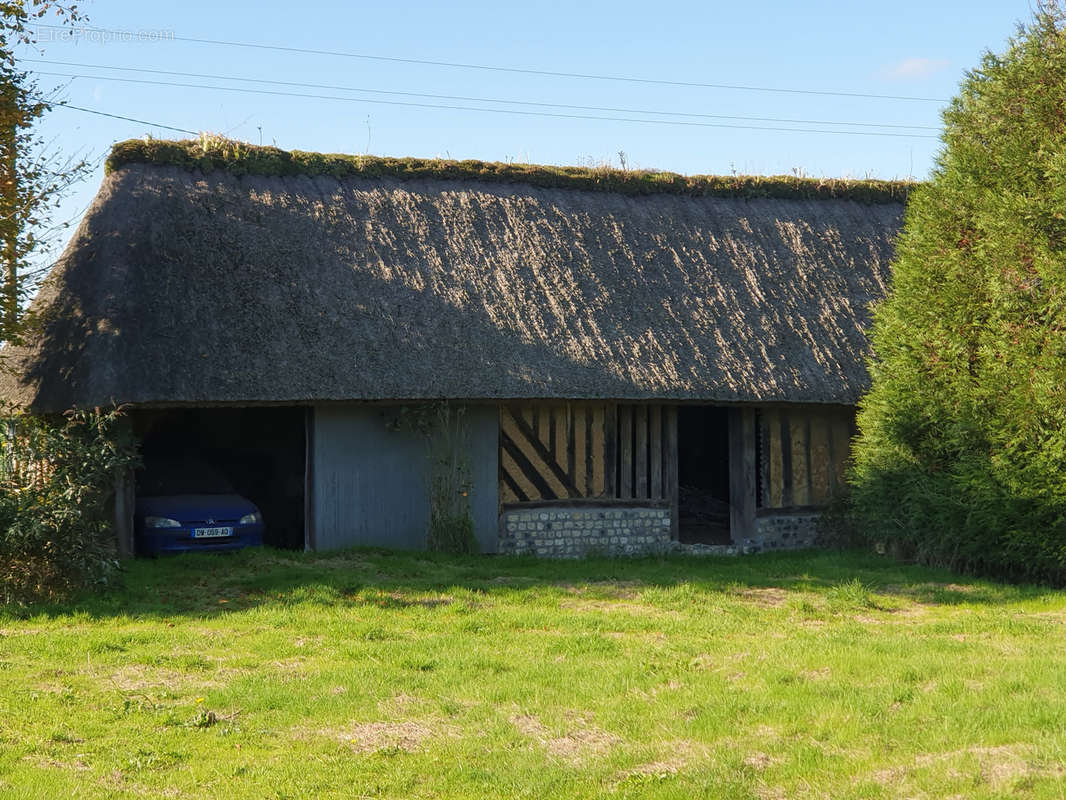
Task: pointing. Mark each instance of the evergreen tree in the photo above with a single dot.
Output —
(961, 456)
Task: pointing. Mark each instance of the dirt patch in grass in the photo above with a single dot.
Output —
(759, 760)
(658, 769)
(582, 742)
(294, 664)
(682, 754)
(620, 590)
(75, 765)
(393, 600)
(767, 596)
(20, 631)
(141, 678)
(998, 766)
(612, 606)
(325, 562)
(403, 705)
(513, 580)
(372, 737)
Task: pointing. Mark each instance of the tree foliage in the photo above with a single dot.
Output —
(32, 179)
(57, 482)
(961, 457)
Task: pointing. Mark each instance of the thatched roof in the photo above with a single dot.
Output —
(184, 286)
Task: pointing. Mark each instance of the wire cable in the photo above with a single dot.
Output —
(485, 110)
(513, 70)
(61, 104)
(608, 109)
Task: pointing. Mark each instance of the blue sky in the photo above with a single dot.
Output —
(904, 48)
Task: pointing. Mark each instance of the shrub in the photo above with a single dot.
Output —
(57, 480)
(961, 456)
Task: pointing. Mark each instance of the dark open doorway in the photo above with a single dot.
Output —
(261, 451)
(703, 475)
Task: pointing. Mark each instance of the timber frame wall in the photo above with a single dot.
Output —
(782, 459)
(802, 454)
(571, 453)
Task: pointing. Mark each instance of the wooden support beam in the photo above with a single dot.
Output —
(570, 439)
(310, 497)
(798, 442)
(807, 457)
(590, 454)
(544, 428)
(655, 444)
(640, 463)
(597, 462)
(625, 461)
(579, 473)
(741, 474)
(786, 461)
(670, 471)
(762, 460)
(832, 456)
(610, 450)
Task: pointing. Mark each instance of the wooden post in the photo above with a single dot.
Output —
(309, 479)
(641, 461)
(741, 473)
(610, 451)
(655, 444)
(625, 463)
(671, 466)
(786, 460)
(807, 456)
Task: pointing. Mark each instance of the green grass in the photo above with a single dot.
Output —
(366, 674)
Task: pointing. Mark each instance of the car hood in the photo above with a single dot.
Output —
(195, 507)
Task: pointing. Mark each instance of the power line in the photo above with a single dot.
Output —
(513, 70)
(484, 110)
(463, 98)
(61, 104)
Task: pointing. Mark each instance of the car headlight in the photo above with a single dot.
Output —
(251, 519)
(161, 522)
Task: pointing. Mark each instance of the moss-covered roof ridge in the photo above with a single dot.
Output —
(239, 158)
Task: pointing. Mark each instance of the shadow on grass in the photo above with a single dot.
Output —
(212, 584)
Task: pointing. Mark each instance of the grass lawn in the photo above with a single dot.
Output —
(366, 674)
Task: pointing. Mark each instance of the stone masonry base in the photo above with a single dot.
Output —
(585, 531)
(634, 531)
(785, 531)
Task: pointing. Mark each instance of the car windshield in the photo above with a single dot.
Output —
(190, 476)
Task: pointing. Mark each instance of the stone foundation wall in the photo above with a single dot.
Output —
(783, 532)
(588, 530)
(612, 531)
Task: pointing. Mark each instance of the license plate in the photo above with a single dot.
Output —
(211, 533)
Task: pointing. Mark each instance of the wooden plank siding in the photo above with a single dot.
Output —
(742, 483)
(801, 455)
(587, 451)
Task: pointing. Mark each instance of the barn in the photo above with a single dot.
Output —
(602, 361)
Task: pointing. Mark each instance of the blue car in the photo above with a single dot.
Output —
(185, 507)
